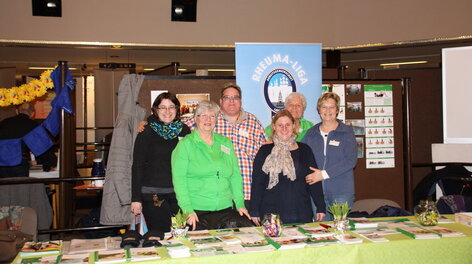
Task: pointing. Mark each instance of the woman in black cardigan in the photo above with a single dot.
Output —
(152, 188)
(278, 179)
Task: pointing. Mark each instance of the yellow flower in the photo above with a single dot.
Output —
(26, 92)
(46, 79)
(3, 97)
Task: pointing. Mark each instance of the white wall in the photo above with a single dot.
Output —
(452, 153)
(457, 94)
(224, 22)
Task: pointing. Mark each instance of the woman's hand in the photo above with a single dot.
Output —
(140, 127)
(192, 220)
(314, 177)
(320, 216)
(243, 211)
(136, 208)
(256, 220)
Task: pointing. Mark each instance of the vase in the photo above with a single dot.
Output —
(271, 225)
(426, 213)
(179, 232)
(340, 226)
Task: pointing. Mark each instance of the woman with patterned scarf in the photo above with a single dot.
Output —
(278, 179)
(152, 188)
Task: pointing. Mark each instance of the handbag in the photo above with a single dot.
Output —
(11, 242)
(132, 237)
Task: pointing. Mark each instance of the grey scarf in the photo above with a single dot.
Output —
(280, 161)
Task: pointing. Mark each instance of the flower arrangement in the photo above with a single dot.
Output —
(26, 92)
(339, 210)
(179, 220)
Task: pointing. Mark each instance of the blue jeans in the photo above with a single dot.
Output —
(339, 198)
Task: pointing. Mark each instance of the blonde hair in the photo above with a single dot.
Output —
(324, 97)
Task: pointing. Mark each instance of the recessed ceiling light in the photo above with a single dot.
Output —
(403, 63)
(221, 70)
(47, 68)
(179, 11)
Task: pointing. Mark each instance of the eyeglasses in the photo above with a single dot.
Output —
(231, 97)
(171, 108)
(204, 116)
(328, 107)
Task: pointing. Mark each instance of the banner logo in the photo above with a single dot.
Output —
(278, 84)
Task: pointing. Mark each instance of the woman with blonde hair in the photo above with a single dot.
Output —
(335, 149)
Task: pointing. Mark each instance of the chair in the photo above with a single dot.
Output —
(29, 195)
(370, 205)
(20, 218)
(29, 223)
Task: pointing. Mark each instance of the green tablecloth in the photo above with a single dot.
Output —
(400, 249)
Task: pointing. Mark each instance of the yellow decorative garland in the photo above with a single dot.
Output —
(26, 92)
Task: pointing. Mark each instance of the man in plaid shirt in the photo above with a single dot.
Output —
(244, 130)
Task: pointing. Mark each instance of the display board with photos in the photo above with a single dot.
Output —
(374, 111)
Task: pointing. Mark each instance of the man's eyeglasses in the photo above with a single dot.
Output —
(171, 108)
(231, 97)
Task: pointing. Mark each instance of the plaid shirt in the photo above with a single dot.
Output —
(247, 137)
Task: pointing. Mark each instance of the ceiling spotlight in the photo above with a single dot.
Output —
(184, 10)
(178, 10)
(51, 8)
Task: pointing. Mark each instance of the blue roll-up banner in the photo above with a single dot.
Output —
(268, 72)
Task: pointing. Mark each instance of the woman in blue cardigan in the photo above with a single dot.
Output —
(335, 150)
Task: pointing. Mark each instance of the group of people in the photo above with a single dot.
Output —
(221, 169)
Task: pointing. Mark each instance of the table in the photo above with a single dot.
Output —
(400, 249)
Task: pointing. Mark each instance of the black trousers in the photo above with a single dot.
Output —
(158, 217)
(226, 218)
(21, 170)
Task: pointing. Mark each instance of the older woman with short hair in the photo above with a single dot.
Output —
(295, 103)
(206, 175)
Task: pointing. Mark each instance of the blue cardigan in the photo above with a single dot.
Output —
(340, 159)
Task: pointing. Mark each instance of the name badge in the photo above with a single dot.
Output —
(243, 132)
(225, 149)
(334, 143)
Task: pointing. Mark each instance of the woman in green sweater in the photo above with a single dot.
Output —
(206, 175)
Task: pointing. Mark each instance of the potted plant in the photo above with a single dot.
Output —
(179, 222)
(339, 212)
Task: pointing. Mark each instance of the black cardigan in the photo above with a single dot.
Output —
(291, 200)
(151, 160)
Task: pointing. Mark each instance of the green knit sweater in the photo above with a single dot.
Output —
(206, 177)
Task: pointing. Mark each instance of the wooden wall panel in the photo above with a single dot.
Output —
(385, 183)
(425, 113)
